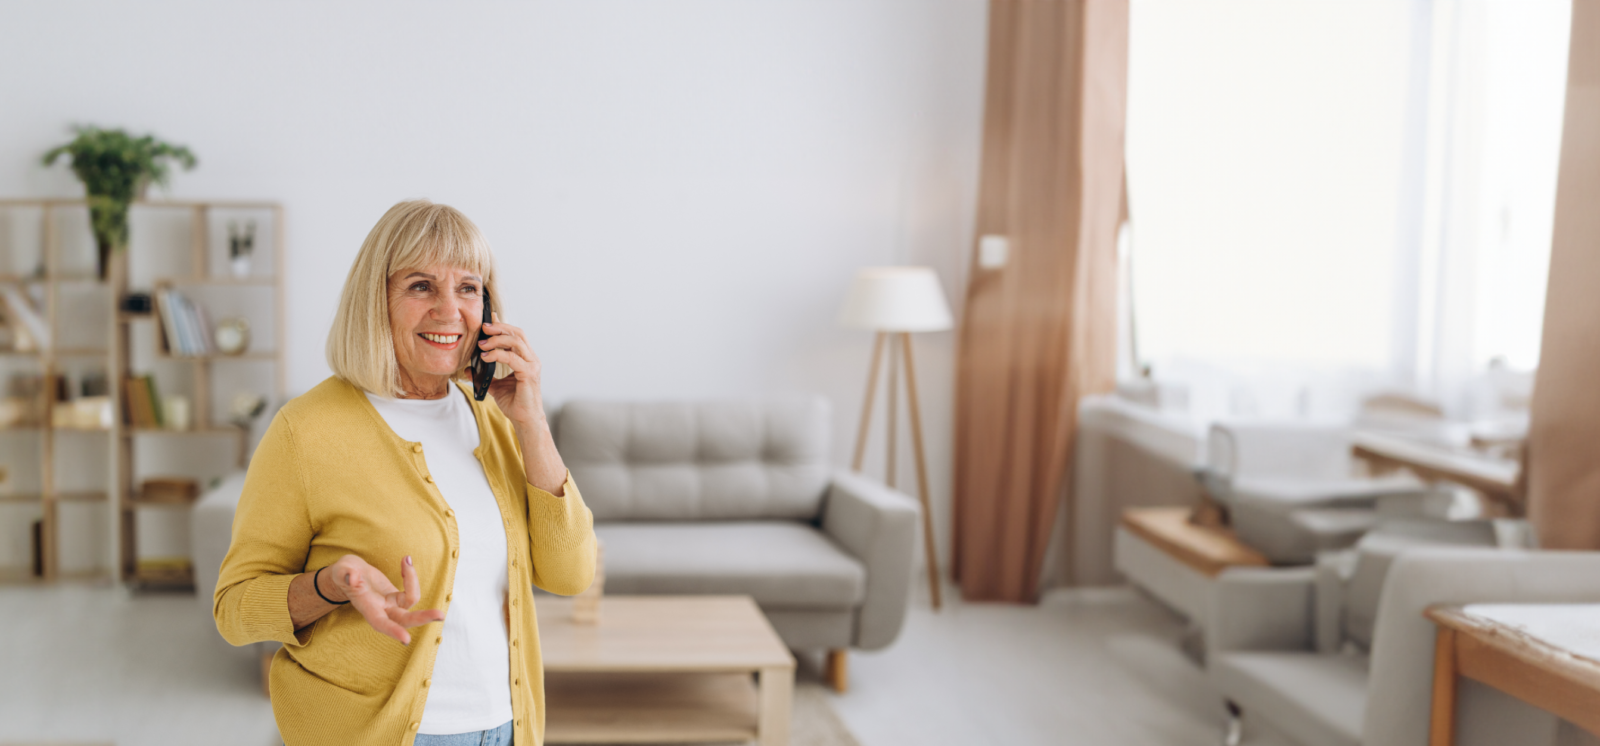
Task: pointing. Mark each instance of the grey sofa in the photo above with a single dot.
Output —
(1339, 654)
(738, 497)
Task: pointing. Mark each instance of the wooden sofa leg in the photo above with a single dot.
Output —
(837, 671)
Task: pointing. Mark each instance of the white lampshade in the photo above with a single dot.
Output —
(896, 299)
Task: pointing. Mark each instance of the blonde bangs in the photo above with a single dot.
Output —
(411, 235)
(439, 235)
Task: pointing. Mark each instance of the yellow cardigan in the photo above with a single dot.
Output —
(330, 478)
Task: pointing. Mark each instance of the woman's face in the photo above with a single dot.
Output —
(434, 314)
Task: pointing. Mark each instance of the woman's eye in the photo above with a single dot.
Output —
(420, 287)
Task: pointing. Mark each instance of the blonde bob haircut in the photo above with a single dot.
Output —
(411, 235)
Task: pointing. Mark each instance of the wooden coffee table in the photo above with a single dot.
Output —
(665, 669)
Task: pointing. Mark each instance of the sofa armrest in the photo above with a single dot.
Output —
(1261, 609)
(1401, 680)
(211, 532)
(878, 526)
(1333, 570)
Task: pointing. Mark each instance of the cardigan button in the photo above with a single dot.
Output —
(427, 683)
(454, 553)
(428, 479)
(513, 602)
(414, 726)
(449, 513)
(416, 447)
(518, 682)
(519, 722)
(448, 597)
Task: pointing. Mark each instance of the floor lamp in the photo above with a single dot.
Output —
(894, 302)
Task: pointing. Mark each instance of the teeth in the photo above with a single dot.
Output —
(443, 339)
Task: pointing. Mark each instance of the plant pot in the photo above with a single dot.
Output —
(106, 249)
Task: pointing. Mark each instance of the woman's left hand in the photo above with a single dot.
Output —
(517, 394)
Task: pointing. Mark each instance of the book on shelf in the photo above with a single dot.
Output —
(142, 406)
(169, 490)
(186, 324)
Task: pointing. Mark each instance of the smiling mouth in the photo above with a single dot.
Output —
(446, 341)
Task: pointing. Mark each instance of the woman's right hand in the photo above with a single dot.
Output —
(370, 592)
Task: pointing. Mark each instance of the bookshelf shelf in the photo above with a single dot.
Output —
(178, 263)
(268, 356)
(65, 352)
(243, 281)
(63, 277)
(129, 432)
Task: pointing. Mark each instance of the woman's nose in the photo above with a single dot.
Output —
(448, 307)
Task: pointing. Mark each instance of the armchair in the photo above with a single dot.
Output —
(1290, 647)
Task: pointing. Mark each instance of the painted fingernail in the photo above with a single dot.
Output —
(408, 560)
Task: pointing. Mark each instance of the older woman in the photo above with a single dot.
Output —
(391, 526)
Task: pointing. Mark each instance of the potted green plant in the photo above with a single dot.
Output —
(115, 168)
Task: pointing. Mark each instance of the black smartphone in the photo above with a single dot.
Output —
(482, 372)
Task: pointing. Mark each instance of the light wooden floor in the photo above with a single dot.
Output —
(85, 664)
(1084, 667)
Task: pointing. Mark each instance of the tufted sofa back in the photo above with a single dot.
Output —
(696, 461)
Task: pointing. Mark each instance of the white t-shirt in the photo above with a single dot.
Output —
(471, 688)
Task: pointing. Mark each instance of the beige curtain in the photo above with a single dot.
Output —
(1040, 332)
(1564, 435)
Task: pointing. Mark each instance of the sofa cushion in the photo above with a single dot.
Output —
(719, 460)
(1318, 700)
(782, 564)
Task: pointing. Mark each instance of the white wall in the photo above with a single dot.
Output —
(679, 190)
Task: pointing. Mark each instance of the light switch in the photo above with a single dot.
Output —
(992, 251)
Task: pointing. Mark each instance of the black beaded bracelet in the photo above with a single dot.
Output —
(318, 589)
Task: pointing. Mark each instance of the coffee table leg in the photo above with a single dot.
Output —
(777, 696)
(1442, 720)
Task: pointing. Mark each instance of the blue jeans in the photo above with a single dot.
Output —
(500, 736)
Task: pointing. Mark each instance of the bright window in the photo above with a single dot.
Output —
(1355, 184)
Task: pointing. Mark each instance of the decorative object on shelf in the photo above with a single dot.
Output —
(139, 303)
(15, 412)
(241, 244)
(243, 412)
(29, 332)
(245, 408)
(94, 383)
(86, 413)
(175, 412)
(232, 336)
(23, 404)
(185, 325)
(115, 168)
(169, 490)
(894, 302)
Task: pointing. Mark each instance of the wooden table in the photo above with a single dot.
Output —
(1495, 478)
(665, 669)
(1208, 550)
(1504, 657)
